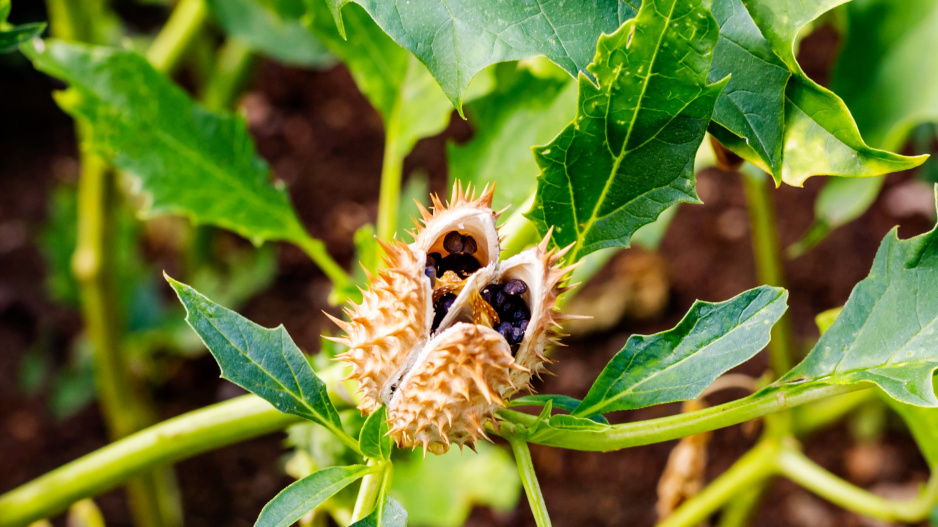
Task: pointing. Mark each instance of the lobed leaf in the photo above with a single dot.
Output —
(388, 513)
(263, 361)
(752, 106)
(459, 38)
(274, 28)
(564, 402)
(295, 501)
(679, 364)
(186, 159)
(374, 440)
(820, 135)
(887, 333)
(629, 153)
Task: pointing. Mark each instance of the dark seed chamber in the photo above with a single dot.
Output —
(513, 311)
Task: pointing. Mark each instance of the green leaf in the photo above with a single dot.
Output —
(887, 333)
(298, 499)
(11, 36)
(185, 159)
(881, 72)
(274, 28)
(524, 110)
(374, 440)
(263, 361)
(752, 106)
(923, 424)
(457, 39)
(679, 364)
(564, 402)
(389, 513)
(821, 137)
(440, 491)
(629, 153)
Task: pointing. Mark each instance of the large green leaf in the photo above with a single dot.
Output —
(679, 364)
(388, 513)
(820, 135)
(752, 106)
(187, 160)
(298, 499)
(524, 110)
(263, 361)
(272, 27)
(629, 154)
(881, 72)
(11, 36)
(887, 333)
(440, 491)
(459, 38)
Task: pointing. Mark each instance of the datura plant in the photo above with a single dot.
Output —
(444, 339)
(446, 331)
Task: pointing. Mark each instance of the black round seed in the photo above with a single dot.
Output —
(516, 287)
(441, 307)
(453, 242)
(446, 301)
(499, 299)
(523, 325)
(469, 245)
(517, 335)
(430, 271)
(488, 292)
(505, 330)
(520, 315)
(433, 259)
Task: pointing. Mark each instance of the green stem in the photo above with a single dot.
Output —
(529, 480)
(738, 511)
(231, 66)
(177, 34)
(821, 414)
(392, 166)
(755, 466)
(316, 250)
(797, 467)
(519, 233)
(627, 435)
(769, 261)
(370, 488)
(167, 442)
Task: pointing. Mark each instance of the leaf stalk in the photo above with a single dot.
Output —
(532, 489)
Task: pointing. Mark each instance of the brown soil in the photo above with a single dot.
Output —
(324, 141)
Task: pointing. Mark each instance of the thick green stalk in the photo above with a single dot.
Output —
(753, 467)
(170, 441)
(529, 480)
(370, 490)
(797, 467)
(392, 166)
(738, 511)
(769, 261)
(177, 34)
(232, 63)
(639, 433)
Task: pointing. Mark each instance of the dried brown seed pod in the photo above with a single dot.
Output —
(422, 341)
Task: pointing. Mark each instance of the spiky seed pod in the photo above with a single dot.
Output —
(422, 341)
(453, 390)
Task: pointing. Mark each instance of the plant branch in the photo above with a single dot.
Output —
(797, 467)
(532, 488)
(370, 489)
(392, 166)
(769, 261)
(753, 467)
(615, 437)
(167, 442)
(232, 63)
(177, 34)
(316, 250)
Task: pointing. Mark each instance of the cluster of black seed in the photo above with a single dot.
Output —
(459, 260)
(513, 312)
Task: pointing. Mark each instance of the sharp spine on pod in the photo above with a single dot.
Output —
(445, 332)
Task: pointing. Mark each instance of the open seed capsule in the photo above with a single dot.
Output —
(445, 332)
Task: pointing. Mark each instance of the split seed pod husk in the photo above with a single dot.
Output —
(442, 385)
